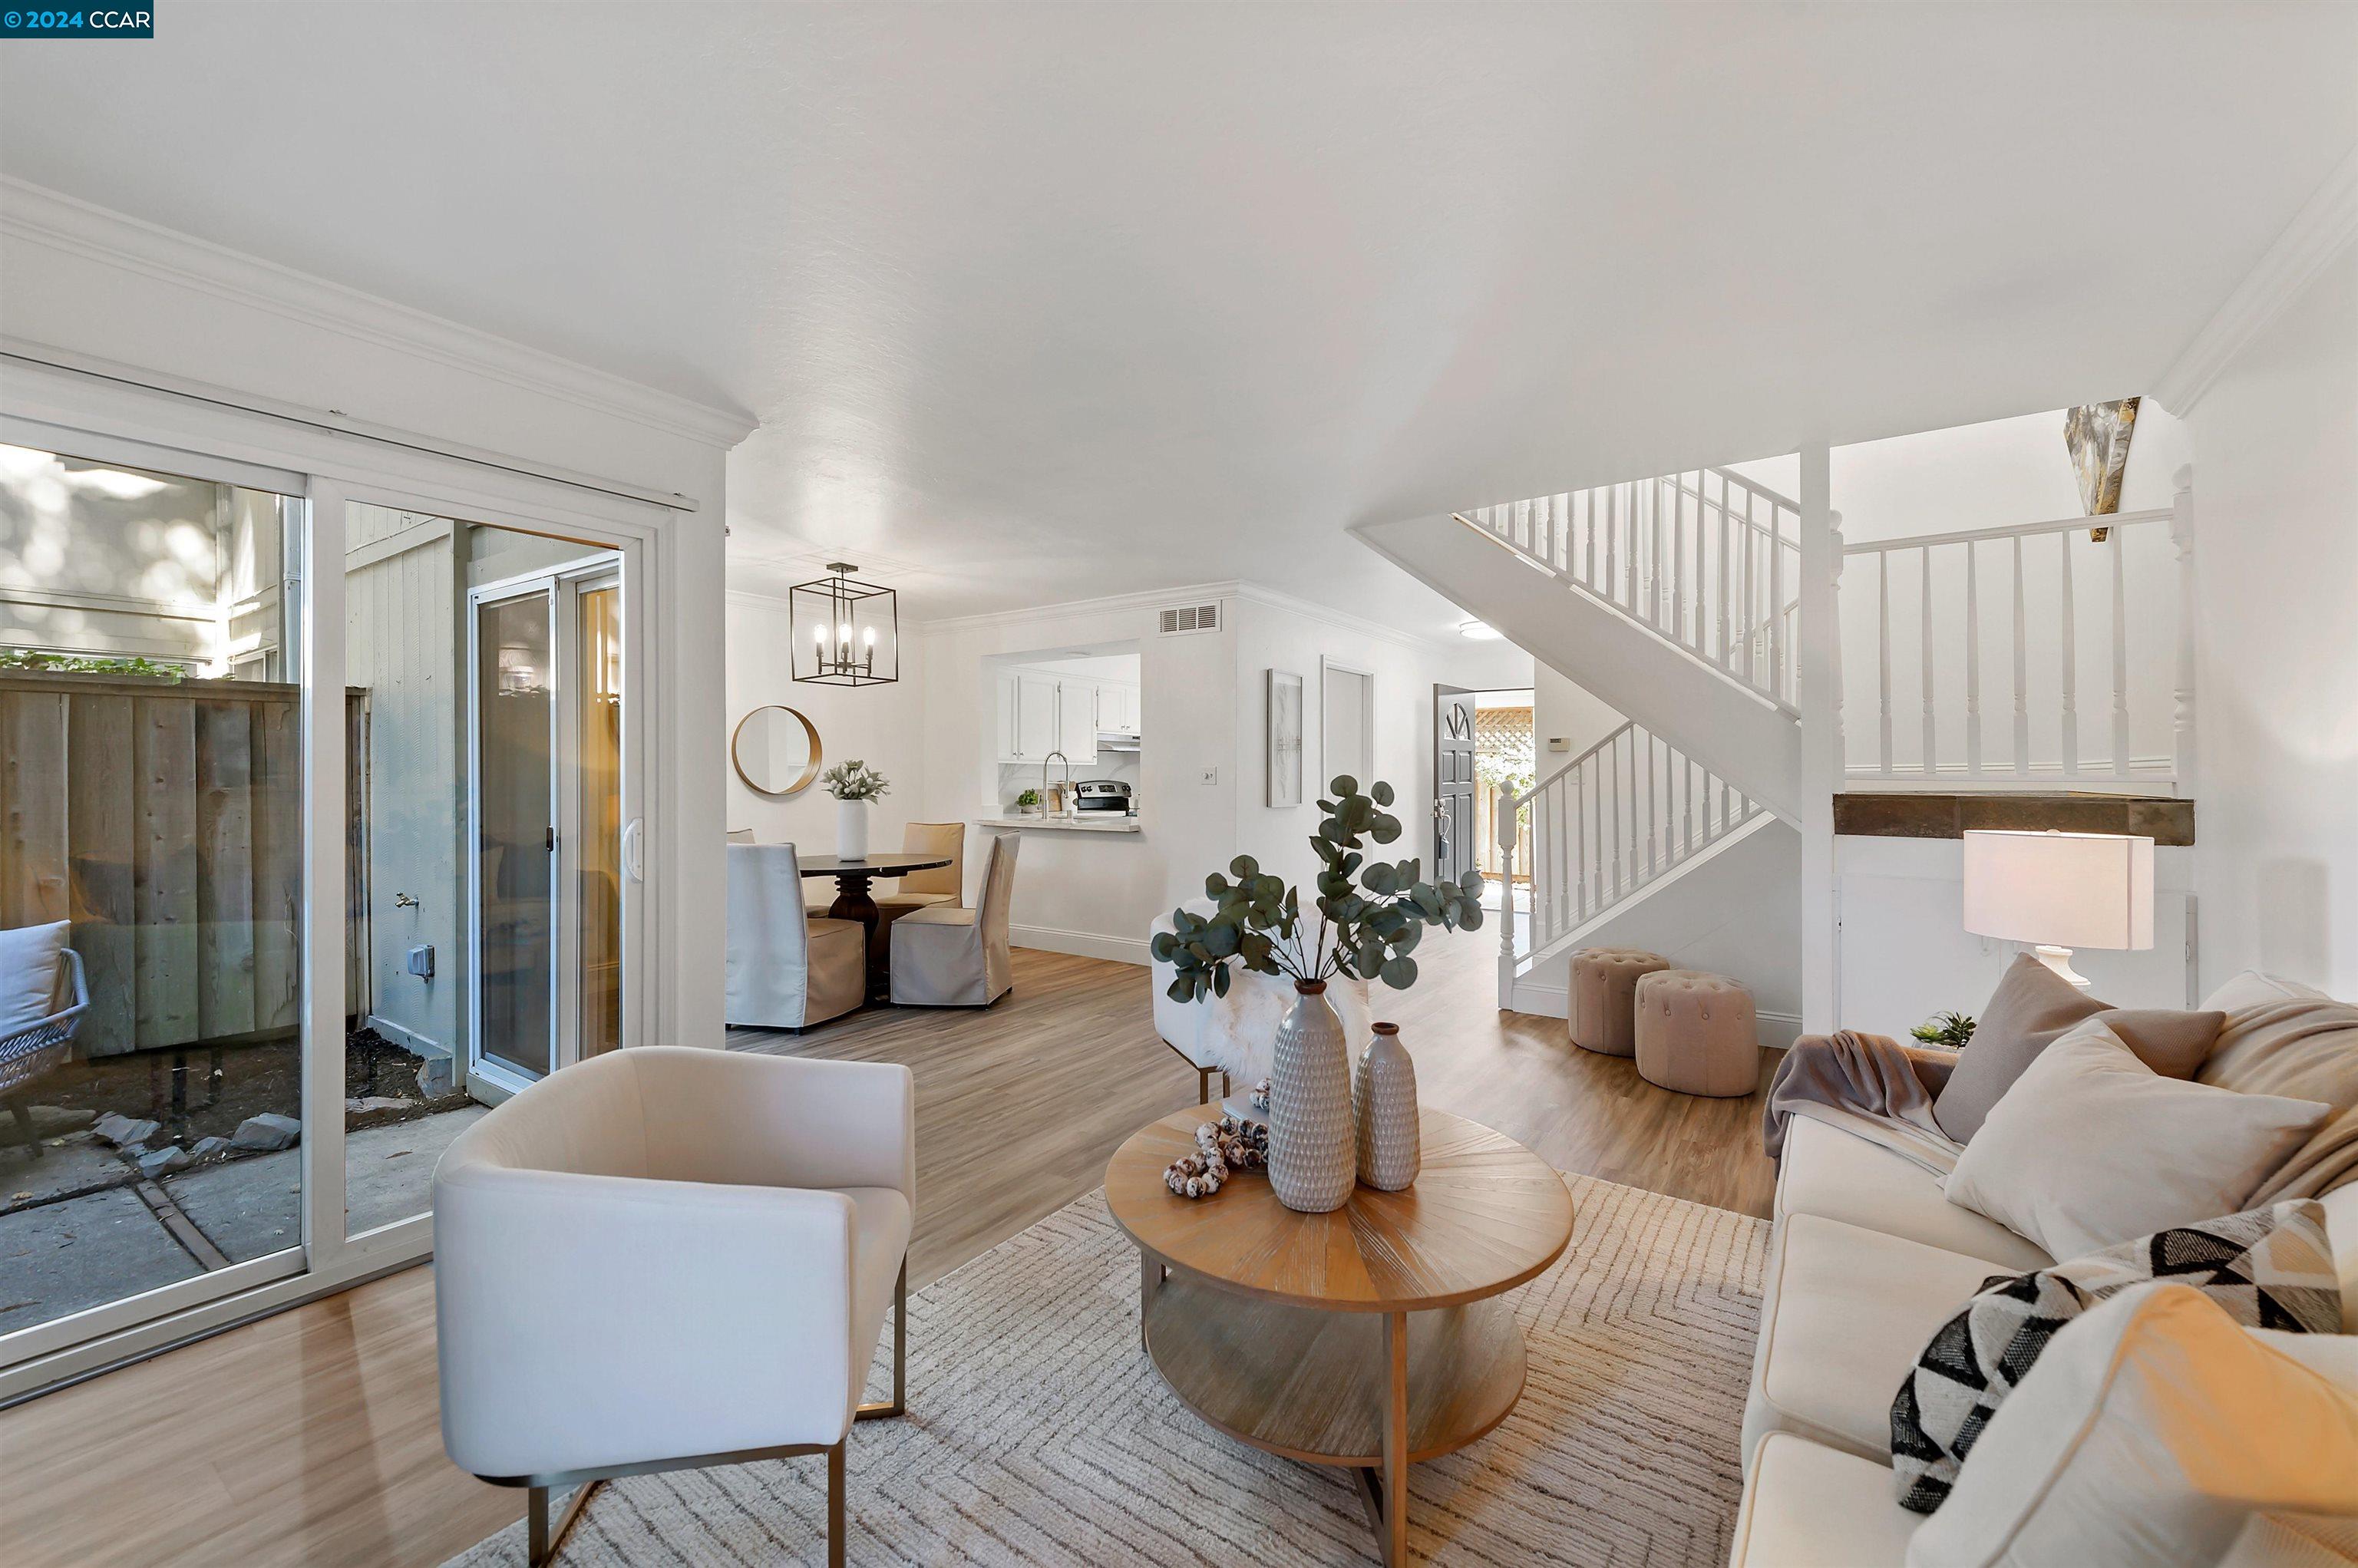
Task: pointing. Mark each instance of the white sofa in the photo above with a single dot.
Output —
(1867, 1259)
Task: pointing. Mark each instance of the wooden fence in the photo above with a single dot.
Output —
(166, 821)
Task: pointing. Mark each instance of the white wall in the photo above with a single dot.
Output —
(1094, 894)
(2277, 577)
(1276, 633)
(882, 726)
(1905, 953)
(1563, 710)
(100, 290)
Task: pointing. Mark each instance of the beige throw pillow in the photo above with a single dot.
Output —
(2091, 1147)
(2031, 1008)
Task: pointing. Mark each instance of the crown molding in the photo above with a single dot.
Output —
(38, 215)
(1341, 620)
(2326, 223)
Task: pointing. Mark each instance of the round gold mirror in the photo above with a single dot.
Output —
(776, 751)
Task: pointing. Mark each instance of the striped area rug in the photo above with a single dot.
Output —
(1040, 1433)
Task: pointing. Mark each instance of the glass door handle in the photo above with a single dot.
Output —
(635, 849)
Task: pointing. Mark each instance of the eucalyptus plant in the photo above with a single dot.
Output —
(854, 779)
(1364, 922)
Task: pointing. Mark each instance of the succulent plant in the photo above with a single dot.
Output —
(1948, 1029)
(1366, 919)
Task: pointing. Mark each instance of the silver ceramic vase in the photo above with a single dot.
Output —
(1312, 1160)
(1390, 1151)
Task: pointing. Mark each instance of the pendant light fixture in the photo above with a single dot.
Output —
(843, 633)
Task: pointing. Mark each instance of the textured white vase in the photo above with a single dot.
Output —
(851, 829)
(1390, 1150)
(1312, 1157)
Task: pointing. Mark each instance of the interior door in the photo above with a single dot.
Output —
(1453, 781)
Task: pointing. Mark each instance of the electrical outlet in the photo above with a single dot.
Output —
(1211, 775)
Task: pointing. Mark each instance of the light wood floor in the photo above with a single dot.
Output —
(311, 1437)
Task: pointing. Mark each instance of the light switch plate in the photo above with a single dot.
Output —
(1211, 775)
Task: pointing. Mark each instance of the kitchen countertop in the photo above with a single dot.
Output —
(1089, 822)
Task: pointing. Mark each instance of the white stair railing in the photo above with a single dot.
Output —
(1705, 558)
(2007, 612)
(1618, 817)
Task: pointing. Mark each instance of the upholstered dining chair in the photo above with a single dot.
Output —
(923, 889)
(667, 1258)
(946, 956)
(788, 968)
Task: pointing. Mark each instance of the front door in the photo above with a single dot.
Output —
(1453, 782)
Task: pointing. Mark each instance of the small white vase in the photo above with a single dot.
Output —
(1390, 1150)
(851, 829)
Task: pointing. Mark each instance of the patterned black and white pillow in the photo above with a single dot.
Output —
(2269, 1268)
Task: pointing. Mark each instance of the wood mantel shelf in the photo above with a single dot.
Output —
(1916, 813)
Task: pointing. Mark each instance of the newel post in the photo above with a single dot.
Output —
(1505, 833)
(1818, 690)
(2181, 536)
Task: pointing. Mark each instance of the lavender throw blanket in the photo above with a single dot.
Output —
(1869, 1084)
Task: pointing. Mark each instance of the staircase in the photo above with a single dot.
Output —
(1675, 598)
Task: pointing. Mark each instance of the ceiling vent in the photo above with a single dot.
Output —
(1182, 618)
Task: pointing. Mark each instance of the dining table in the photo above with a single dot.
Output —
(853, 902)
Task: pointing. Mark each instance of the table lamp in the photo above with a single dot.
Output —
(2059, 890)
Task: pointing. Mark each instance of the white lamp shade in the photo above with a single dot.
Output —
(2065, 890)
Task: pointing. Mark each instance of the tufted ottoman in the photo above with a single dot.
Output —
(1696, 1033)
(1603, 997)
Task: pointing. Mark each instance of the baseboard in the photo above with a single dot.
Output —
(409, 1040)
(1776, 1030)
(1080, 943)
(1544, 1001)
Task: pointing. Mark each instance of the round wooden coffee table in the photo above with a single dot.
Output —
(1370, 1338)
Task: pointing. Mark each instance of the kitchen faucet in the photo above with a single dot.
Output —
(1068, 779)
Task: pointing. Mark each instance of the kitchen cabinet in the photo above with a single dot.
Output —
(1040, 712)
(1117, 707)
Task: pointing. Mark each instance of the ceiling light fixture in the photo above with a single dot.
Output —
(854, 630)
(1480, 630)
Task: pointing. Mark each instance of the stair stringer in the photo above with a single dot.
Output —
(1730, 728)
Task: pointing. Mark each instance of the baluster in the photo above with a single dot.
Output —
(1565, 859)
(1924, 613)
(1665, 530)
(2071, 667)
(1728, 649)
(2120, 658)
(1597, 837)
(1883, 648)
(2021, 671)
(1776, 607)
(2181, 536)
(1652, 863)
(1686, 778)
(1614, 770)
(1678, 561)
(1744, 602)
(1595, 544)
(1972, 661)
(1612, 541)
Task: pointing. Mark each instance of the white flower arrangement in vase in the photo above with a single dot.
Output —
(853, 783)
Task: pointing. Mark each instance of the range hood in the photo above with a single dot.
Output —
(1116, 741)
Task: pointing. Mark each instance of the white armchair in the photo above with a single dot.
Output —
(666, 1258)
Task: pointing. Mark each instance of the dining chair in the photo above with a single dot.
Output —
(944, 956)
(923, 890)
(667, 1258)
(788, 968)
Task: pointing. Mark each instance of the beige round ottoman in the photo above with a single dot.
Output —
(1696, 1033)
(1604, 997)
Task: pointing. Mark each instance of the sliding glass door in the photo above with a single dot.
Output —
(548, 822)
(324, 808)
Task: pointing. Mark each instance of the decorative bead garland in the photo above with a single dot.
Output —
(1228, 1145)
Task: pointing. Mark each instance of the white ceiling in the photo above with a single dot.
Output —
(1035, 303)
